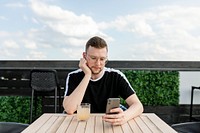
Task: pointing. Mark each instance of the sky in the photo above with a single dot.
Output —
(146, 30)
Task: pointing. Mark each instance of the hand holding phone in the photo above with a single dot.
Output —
(111, 104)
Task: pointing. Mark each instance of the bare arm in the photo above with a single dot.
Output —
(70, 102)
(135, 107)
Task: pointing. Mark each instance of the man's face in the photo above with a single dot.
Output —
(96, 59)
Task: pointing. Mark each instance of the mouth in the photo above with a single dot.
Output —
(96, 70)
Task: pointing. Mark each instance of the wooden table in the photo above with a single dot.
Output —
(61, 123)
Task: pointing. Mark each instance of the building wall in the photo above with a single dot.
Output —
(188, 79)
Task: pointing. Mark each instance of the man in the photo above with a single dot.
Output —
(94, 83)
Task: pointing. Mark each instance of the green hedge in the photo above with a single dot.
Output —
(17, 109)
(152, 87)
(155, 87)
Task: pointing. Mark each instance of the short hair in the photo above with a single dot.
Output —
(96, 42)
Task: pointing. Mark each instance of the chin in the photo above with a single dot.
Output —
(96, 72)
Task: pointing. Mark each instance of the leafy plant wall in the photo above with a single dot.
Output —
(17, 109)
(155, 87)
(14, 109)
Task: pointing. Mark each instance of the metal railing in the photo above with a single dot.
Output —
(73, 64)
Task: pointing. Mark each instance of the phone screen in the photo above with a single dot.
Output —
(112, 103)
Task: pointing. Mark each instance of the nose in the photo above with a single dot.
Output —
(98, 61)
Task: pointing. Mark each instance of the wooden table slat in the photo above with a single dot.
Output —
(151, 125)
(47, 125)
(98, 125)
(73, 125)
(142, 125)
(160, 124)
(81, 127)
(63, 127)
(108, 128)
(126, 128)
(90, 125)
(37, 124)
(54, 127)
(117, 129)
(134, 126)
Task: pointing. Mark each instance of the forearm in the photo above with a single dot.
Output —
(135, 107)
(70, 102)
(133, 111)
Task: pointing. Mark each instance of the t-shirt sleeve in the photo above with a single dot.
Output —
(72, 81)
(125, 87)
(67, 85)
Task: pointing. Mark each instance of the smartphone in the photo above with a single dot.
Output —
(112, 103)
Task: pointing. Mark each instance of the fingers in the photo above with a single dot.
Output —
(116, 110)
(82, 62)
(115, 119)
(84, 67)
(117, 122)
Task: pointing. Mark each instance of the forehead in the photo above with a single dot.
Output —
(98, 52)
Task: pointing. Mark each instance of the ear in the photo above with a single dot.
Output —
(84, 55)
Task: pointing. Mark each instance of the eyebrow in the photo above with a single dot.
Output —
(96, 56)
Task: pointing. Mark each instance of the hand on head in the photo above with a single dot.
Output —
(83, 65)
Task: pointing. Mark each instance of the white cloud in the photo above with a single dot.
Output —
(135, 23)
(71, 53)
(36, 55)
(15, 5)
(10, 44)
(6, 53)
(164, 33)
(29, 44)
(4, 34)
(142, 28)
(63, 21)
(76, 41)
(151, 22)
(35, 21)
(3, 18)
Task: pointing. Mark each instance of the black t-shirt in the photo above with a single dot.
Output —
(112, 84)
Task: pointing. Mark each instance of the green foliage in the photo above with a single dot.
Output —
(16, 109)
(155, 87)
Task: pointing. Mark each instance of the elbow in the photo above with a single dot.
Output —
(141, 108)
(69, 112)
(67, 108)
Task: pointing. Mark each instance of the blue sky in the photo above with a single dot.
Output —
(134, 29)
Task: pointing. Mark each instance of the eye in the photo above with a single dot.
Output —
(102, 59)
(93, 58)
